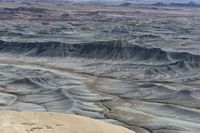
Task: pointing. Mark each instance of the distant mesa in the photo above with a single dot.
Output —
(25, 3)
(126, 4)
(159, 4)
(65, 15)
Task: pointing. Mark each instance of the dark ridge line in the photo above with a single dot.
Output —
(114, 49)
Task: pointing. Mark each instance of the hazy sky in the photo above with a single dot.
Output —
(169, 1)
(147, 1)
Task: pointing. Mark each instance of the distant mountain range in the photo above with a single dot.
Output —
(127, 3)
(190, 4)
(173, 4)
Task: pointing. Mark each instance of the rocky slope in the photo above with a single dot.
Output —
(27, 122)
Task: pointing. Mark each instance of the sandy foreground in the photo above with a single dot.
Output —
(41, 122)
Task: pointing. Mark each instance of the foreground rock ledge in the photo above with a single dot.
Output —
(45, 122)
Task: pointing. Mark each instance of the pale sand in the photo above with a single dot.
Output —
(41, 122)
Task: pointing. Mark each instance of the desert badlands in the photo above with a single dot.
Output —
(64, 64)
